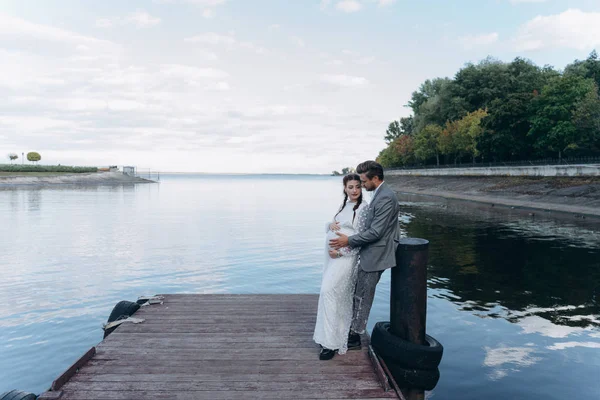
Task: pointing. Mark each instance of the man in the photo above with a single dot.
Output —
(377, 245)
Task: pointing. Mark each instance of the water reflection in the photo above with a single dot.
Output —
(514, 298)
(512, 270)
(524, 291)
(503, 360)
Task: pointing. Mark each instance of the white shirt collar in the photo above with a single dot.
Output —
(376, 190)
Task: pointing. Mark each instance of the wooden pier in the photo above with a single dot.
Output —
(220, 347)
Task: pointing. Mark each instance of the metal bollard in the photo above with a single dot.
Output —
(408, 295)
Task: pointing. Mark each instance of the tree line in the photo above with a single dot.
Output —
(495, 111)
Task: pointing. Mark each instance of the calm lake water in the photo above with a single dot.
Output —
(514, 299)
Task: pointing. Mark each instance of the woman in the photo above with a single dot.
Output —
(334, 314)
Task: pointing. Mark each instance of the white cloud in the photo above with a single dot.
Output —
(141, 19)
(348, 6)
(539, 325)
(74, 97)
(208, 13)
(473, 41)
(14, 27)
(345, 81)
(212, 38)
(508, 359)
(207, 5)
(357, 58)
(335, 62)
(566, 345)
(229, 40)
(365, 60)
(192, 74)
(104, 23)
(324, 4)
(527, 1)
(351, 6)
(298, 41)
(274, 27)
(573, 28)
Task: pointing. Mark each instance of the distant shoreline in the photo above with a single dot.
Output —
(49, 179)
(579, 196)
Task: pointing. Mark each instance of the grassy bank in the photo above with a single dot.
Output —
(2, 173)
(21, 168)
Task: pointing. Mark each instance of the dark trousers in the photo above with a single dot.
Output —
(364, 293)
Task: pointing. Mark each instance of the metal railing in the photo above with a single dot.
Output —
(145, 173)
(521, 163)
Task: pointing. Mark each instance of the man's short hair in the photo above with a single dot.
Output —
(371, 169)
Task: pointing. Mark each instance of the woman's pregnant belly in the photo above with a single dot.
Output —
(331, 235)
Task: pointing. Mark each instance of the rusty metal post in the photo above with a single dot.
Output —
(408, 295)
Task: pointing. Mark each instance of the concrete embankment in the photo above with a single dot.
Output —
(532, 170)
(96, 178)
(578, 195)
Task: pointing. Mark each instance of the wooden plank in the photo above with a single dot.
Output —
(223, 347)
(143, 377)
(197, 340)
(224, 385)
(220, 345)
(258, 365)
(103, 367)
(381, 376)
(223, 395)
(61, 380)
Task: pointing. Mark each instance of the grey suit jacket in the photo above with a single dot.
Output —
(378, 241)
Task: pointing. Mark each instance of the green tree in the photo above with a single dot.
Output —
(407, 125)
(435, 103)
(389, 158)
(447, 142)
(396, 129)
(589, 68)
(404, 147)
(479, 84)
(33, 156)
(505, 128)
(470, 128)
(459, 138)
(552, 124)
(398, 153)
(427, 143)
(586, 119)
(12, 157)
(392, 132)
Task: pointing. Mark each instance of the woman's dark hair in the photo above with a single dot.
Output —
(348, 178)
(371, 169)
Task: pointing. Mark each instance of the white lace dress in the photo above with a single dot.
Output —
(334, 314)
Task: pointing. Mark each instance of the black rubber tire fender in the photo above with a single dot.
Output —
(404, 353)
(122, 310)
(424, 379)
(17, 395)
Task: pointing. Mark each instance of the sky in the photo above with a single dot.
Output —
(249, 86)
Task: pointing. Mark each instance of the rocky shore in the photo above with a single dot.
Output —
(560, 194)
(96, 178)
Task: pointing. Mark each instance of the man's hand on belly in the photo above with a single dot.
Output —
(341, 241)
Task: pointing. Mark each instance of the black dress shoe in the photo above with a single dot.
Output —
(326, 354)
(354, 341)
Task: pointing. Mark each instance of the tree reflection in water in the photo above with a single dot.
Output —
(509, 266)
